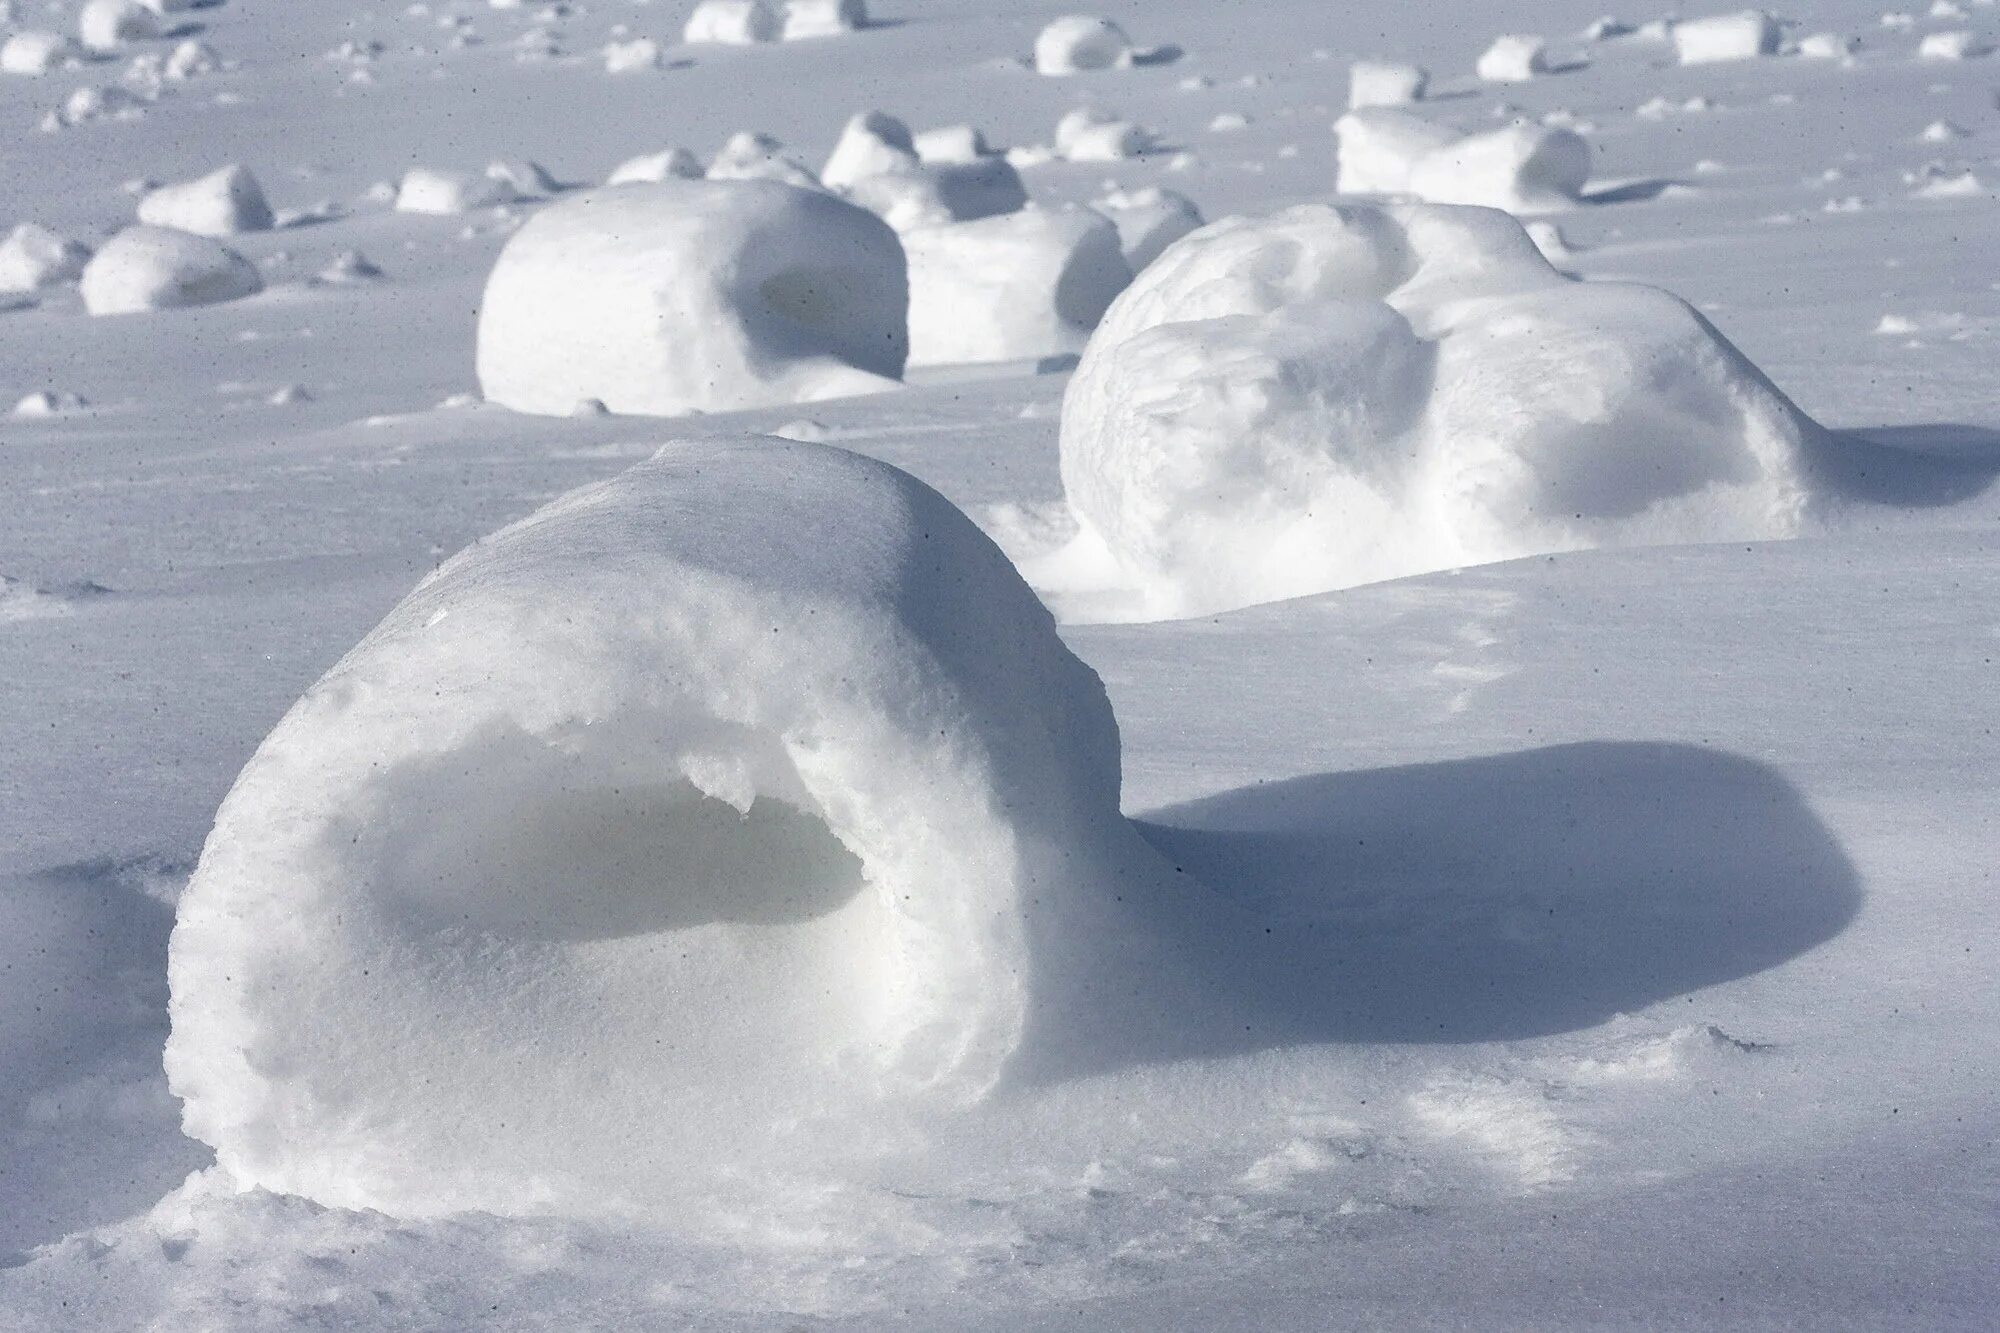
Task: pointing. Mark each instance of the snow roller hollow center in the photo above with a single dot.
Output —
(747, 793)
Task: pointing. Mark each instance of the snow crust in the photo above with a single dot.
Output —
(685, 296)
(1336, 395)
(690, 816)
(1022, 286)
(157, 268)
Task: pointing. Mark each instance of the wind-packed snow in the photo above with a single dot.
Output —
(1333, 396)
(660, 299)
(1600, 937)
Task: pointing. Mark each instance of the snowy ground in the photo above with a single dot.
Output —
(1654, 889)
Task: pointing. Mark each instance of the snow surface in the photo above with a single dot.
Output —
(1639, 901)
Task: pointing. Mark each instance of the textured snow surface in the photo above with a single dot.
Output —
(1599, 938)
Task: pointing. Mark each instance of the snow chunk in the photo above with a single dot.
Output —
(1148, 221)
(667, 164)
(871, 143)
(1513, 59)
(1523, 168)
(1378, 83)
(1028, 285)
(806, 19)
(876, 165)
(33, 257)
(226, 202)
(447, 193)
(1743, 36)
(106, 25)
(45, 403)
(691, 296)
(157, 268)
(1826, 46)
(33, 54)
(1092, 134)
(752, 155)
(731, 23)
(951, 143)
(1336, 395)
(636, 56)
(749, 793)
(1079, 44)
(1953, 46)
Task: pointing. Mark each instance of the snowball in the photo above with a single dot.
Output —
(1090, 134)
(731, 23)
(35, 53)
(691, 296)
(1079, 44)
(750, 155)
(668, 164)
(225, 202)
(1024, 286)
(1376, 83)
(823, 18)
(444, 193)
(1513, 59)
(699, 818)
(157, 268)
(1953, 46)
(33, 257)
(1336, 395)
(1521, 168)
(106, 25)
(1148, 221)
(1741, 36)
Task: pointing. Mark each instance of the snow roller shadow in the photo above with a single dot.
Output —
(1916, 467)
(1513, 896)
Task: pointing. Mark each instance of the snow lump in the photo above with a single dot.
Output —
(1079, 44)
(33, 257)
(225, 202)
(731, 23)
(1523, 167)
(158, 268)
(683, 296)
(718, 810)
(1023, 286)
(1337, 395)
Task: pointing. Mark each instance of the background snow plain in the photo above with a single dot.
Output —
(1657, 886)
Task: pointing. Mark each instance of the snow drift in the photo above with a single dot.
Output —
(684, 296)
(729, 803)
(1336, 395)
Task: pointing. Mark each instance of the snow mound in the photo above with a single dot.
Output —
(651, 168)
(1523, 167)
(685, 296)
(731, 23)
(1080, 44)
(1148, 220)
(1513, 59)
(1093, 134)
(1023, 286)
(724, 806)
(448, 193)
(876, 164)
(226, 202)
(1379, 83)
(806, 19)
(33, 54)
(157, 268)
(1743, 36)
(106, 25)
(1337, 395)
(33, 257)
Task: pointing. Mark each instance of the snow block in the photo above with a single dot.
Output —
(157, 268)
(1743, 36)
(708, 810)
(1021, 287)
(686, 296)
(226, 202)
(1337, 395)
(1080, 44)
(1379, 83)
(1513, 59)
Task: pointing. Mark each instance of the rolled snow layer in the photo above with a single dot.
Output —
(1024, 286)
(158, 268)
(681, 296)
(695, 814)
(1337, 395)
(1080, 44)
(226, 202)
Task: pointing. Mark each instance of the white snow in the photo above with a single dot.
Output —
(1723, 37)
(226, 202)
(667, 164)
(731, 23)
(1094, 134)
(33, 257)
(639, 55)
(805, 19)
(1380, 83)
(1148, 221)
(33, 54)
(686, 296)
(1523, 168)
(1080, 44)
(446, 193)
(1957, 45)
(156, 268)
(875, 164)
(106, 25)
(1330, 397)
(1023, 286)
(1513, 59)
(754, 155)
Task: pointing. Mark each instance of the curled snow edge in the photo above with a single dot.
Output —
(696, 810)
(1338, 395)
